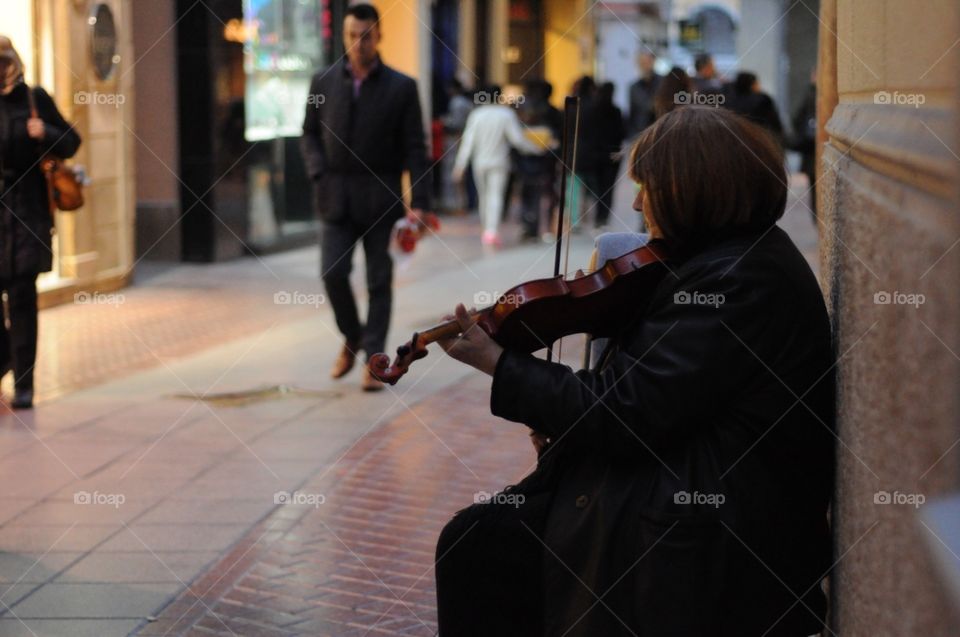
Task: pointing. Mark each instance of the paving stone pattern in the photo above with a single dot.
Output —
(362, 561)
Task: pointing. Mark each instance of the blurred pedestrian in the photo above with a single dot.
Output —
(706, 80)
(458, 107)
(584, 88)
(458, 196)
(642, 92)
(492, 128)
(675, 90)
(746, 98)
(31, 126)
(805, 139)
(537, 171)
(362, 128)
(600, 150)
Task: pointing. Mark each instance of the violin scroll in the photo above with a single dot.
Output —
(381, 368)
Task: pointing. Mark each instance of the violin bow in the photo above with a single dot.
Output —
(568, 164)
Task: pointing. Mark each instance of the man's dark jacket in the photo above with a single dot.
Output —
(728, 396)
(642, 93)
(25, 220)
(356, 149)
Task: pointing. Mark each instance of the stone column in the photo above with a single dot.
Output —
(889, 168)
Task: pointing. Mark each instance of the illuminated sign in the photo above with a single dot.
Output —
(283, 47)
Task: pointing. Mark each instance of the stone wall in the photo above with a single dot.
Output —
(890, 260)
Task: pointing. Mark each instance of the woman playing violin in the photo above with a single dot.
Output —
(682, 485)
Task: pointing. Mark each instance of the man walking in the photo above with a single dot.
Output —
(362, 128)
(641, 94)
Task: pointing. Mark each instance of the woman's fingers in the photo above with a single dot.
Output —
(35, 128)
(462, 316)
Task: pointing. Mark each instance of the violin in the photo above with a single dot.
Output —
(533, 315)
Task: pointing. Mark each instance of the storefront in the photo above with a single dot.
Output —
(243, 70)
(80, 51)
(284, 44)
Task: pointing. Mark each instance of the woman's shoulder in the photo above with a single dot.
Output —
(18, 94)
(765, 262)
(771, 246)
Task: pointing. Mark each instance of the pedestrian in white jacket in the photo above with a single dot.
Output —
(492, 128)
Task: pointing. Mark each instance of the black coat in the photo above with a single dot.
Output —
(355, 150)
(601, 134)
(25, 221)
(641, 103)
(758, 108)
(731, 399)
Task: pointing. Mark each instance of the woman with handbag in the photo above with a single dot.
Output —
(31, 128)
(682, 485)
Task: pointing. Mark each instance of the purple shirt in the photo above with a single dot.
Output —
(358, 81)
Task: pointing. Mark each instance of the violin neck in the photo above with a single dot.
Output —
(443, 330)
(438, 332)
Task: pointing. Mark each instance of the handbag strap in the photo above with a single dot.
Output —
(51, 198)
(32, 100)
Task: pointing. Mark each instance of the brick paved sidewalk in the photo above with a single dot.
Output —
(176, 310)
(362, 562)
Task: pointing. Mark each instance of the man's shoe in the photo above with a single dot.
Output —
(345, 360)
(368, 382)
(22, 399)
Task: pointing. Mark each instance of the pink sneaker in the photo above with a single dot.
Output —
(490, 239)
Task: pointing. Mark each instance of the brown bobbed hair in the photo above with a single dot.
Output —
(709, 173)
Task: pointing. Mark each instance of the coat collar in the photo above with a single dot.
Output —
(374, 71)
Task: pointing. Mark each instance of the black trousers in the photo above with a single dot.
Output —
(489, 561)
(488, 568)
(533, 191)
(337, 243)
(18, 333)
